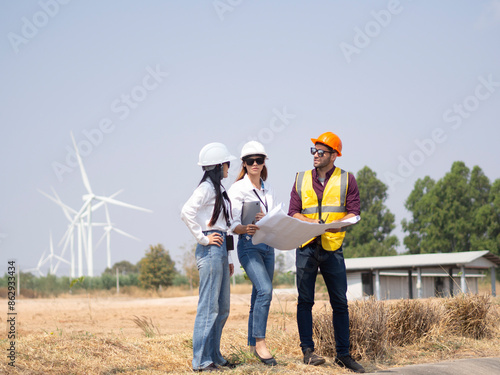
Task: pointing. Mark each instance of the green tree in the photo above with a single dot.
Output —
(124, 268)
(485, 215)
(156, 268)
(456, 213)
(371, 236)
(494, 229)
(420, 203)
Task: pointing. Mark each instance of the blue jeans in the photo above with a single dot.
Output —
(331, 263)
(213, 304)
(258, 263)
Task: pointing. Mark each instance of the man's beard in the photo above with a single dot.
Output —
(323, 163)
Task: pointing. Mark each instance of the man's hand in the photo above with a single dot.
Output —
(336, 230)
(333, 230)
(305, 218)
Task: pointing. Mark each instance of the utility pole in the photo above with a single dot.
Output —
(117, 281)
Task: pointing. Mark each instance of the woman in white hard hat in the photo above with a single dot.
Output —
(257, 260)
(207, 214)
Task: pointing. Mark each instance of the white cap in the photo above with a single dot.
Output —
(213, 154)
(253, 148)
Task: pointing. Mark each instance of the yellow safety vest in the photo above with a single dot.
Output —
(332, 206)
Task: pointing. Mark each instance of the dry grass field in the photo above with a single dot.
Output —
(150, 334)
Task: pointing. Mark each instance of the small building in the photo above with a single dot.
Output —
(419, 275)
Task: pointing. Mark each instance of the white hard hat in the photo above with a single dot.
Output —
(214, 153)
(253, 148)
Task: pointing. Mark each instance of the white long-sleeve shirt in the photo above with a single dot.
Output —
(197, 212)
(242, 191)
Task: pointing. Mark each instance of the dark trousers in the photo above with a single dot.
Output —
(331, 264)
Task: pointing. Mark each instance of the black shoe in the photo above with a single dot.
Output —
(347, 362)
(312, 359)
(210, 367)
(267, 361)
(229, 365)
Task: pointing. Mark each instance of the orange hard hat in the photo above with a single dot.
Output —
(331, 140)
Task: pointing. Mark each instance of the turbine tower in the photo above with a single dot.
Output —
(107, 234)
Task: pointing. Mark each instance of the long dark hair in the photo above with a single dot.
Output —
(215, 175)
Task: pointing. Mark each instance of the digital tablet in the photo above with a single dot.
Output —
(248, 212)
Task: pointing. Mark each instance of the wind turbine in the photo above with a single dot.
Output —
(107, 234)
(68, 211)
(68, 237)
(52, 256)
(87, 208)
(37, 269)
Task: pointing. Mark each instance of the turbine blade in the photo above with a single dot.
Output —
(65, 247)
(125, 234)
(67, 235)
(82, 169)
(60, 260)
(101, 203)
(40, 262)
(66, 209)
(45, 260)
(82, 210)
(123, 204)
(102, 238)
(61, 202)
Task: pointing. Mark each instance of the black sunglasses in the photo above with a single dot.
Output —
(320, 152)
(250, 161)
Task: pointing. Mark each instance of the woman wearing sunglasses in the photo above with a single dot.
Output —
(207, 215)
(257, 260)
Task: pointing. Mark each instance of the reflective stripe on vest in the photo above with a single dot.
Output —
(332, 204)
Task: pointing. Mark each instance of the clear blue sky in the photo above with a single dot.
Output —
(410, 87)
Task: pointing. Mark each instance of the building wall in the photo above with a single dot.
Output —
(396, 287)
(354, 286)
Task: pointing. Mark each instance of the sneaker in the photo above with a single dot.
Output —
(347, 362)
(312, 359)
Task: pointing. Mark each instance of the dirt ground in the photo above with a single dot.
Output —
(114, 315)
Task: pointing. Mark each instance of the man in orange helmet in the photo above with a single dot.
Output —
(322, 195)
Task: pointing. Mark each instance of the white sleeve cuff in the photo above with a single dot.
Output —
(204, 241)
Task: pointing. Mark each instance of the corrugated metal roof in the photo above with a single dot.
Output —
(419, 260)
